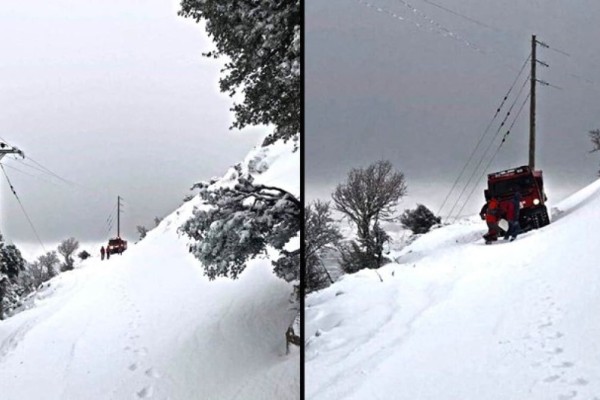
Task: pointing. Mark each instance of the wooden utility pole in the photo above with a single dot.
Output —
(118, 216)
(532, 105)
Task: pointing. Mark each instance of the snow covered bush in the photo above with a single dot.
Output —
(240, 224)
(419, 220)
(261, 40)
(320, 235)
(360, 254)
(66, 249)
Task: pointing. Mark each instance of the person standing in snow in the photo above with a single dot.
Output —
(512, 209)
(102, 252)
(492, 215)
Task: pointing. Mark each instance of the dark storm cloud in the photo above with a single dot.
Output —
(115, 97)
(381, 88)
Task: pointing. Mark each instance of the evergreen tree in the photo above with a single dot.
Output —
(261, 40)
(241, 223)
(11, 265)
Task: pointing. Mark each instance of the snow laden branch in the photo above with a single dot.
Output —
(261, 40)
(241, 223)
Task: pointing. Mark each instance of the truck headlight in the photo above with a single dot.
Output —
(536, 201)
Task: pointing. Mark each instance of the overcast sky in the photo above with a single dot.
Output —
(381, 87)
(114, 96)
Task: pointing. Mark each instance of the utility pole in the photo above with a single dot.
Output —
(118, 216)
(6, 149)
(532, 105)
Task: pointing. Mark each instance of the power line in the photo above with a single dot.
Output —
(493, 156)
(441, 30)
(22, 208)
(473, 20)
(489, 146)
(484, 134)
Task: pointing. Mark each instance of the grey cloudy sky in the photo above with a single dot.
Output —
(115, 96)
(379, 87)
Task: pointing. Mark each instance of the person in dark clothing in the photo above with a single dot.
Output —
(102, 252)
(513, 217)
(483, 211)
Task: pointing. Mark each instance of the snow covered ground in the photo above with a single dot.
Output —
(455, 319)
(148, 324)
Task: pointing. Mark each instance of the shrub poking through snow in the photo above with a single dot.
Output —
(419, 220)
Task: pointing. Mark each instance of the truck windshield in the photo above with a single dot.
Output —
(509, 186)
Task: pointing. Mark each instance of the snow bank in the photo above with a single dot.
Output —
(456, 319)
(148, 324)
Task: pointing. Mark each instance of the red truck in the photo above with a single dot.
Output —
(503, 185)
(116, 246)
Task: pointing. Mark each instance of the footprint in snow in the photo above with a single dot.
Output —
(580, 382)
(552, 378)
(145, 393)
(151, 372)
(568, 396)
(566, 364)
(133, 367)
(556, 350)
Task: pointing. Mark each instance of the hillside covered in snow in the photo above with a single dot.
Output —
(149, 323)
(454, 318)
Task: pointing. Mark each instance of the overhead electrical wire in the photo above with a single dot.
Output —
(473, 20)
(493, 156)
(488, 147)
(12, 188)
(441, 30)
(483, 135)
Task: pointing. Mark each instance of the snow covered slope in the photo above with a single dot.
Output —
(455, 319)
(148, 324)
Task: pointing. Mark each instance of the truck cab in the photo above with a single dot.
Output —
(503, 185)
(116, 246)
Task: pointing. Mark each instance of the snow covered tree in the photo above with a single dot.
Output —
(49, 263)
(419, 220)
(369, 196)
(11, 265)
(142, 230)
(320, 234)
(66, 249)
(241, 222)
(261, 40)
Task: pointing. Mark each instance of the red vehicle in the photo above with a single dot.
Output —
(530, 184)
(116, 246)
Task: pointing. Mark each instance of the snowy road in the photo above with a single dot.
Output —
(456, 319)
(148, 324)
